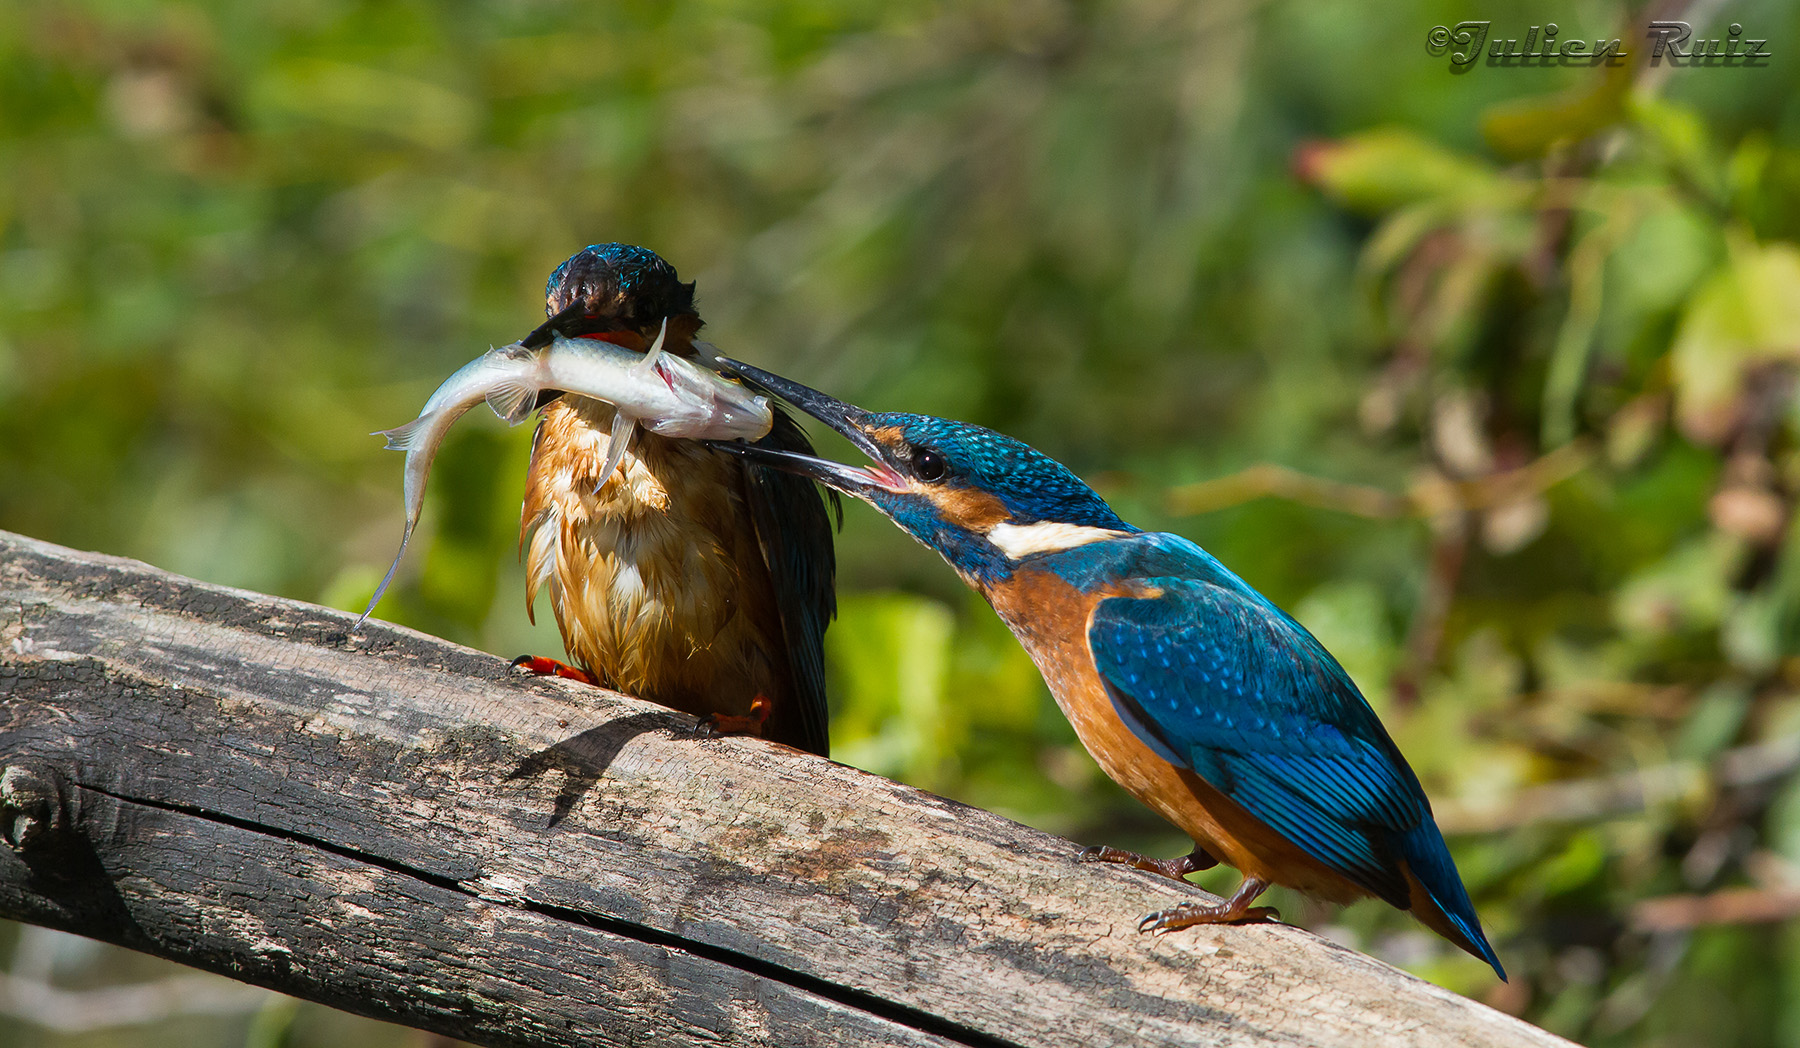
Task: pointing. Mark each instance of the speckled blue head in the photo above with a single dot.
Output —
(1032, 486)
(620, 283)
(982, 499)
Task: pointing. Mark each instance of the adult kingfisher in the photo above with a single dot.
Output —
(689, 577)
(1192, 690)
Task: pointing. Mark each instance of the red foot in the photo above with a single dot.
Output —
(538, 666)
(734, 724)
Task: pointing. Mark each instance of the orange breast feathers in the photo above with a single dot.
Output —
(656, 579)
(1050, 617)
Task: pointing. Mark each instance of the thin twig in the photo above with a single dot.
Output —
(1429, 495)
(1610, 796)
(1268, 480)
(1449, 550)
(1729, 906)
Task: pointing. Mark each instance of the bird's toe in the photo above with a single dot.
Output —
(1160, 921)
(737, 724)
(1188, 914)
(539, 666)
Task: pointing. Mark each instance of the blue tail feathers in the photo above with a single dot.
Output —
(1429, 859)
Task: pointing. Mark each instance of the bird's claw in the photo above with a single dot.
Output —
(714, 724)
(1175, 869)
(1188, 914)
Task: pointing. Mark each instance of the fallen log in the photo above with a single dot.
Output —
(394, 825)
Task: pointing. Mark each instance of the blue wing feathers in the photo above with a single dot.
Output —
(1429, 859)
(1251, 727)
(1214, 678)
(1144, 726)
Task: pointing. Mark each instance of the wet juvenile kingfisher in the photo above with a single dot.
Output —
(691, 577)
(1190, 689)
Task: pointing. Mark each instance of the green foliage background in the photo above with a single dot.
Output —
(1489, 378)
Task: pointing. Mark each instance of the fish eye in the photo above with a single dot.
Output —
(928, 465)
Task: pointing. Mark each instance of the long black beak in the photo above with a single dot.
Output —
(563, 322)
(848, 419)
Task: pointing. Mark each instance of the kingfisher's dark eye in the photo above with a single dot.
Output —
(928, 465)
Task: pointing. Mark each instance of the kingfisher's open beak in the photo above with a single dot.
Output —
(848, 419)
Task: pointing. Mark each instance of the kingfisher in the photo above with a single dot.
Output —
(1191, 689)
(689, 577)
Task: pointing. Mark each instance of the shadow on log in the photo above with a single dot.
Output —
(395, 826)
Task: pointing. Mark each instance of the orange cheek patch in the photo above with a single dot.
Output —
(968, 507)
(891, 437)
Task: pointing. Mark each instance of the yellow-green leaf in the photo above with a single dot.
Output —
(1745, 315)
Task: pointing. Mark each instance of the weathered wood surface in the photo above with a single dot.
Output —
(395, 826)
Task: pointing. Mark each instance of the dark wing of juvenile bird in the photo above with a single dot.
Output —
(793, 529)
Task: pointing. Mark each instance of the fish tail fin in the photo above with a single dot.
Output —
(513, 400)
(623, 427)
(1439, 899)
(401, 438)
(405, 537)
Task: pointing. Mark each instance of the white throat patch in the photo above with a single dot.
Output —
(1019, 541)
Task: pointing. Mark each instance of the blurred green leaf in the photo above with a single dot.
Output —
(1533, 126)
(273, 1025)
(1746, 314)
(368, 99)
(1680, 134)
(1715, 720)
(1687, 590)
(891, 655)
(1381, 170)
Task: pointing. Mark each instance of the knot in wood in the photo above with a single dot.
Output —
(31, 807)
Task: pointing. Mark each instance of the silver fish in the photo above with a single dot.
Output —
(664, 393)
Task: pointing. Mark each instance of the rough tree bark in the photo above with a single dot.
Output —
(395, 826)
